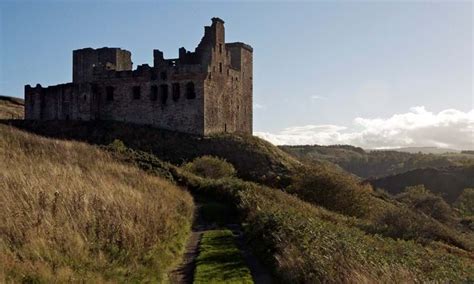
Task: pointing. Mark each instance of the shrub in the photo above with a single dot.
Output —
(465, 202)
(421, 199)
(332, 189)
(118, 146)
(404, 223)
(210, 167)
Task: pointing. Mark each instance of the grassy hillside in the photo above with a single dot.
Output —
(71, 213)
(447, 182)
(11, 108)
(254, 159)
(374, 164)
(304, 243)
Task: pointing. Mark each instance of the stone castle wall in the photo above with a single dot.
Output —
(202, 92)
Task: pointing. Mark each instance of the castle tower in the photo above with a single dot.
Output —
(88, 60)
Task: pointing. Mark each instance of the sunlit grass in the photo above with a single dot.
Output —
(219, 260)
(71, 213)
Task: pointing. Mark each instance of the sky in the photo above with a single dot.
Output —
(372, 74)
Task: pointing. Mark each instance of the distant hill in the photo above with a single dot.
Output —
(374, 164)
(11, 108)
(425, 150)
(447, 182)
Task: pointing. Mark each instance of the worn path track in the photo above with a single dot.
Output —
(184, 273)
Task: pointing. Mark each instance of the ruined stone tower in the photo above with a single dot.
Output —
(202, 92)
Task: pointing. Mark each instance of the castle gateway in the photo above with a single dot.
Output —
(202, 92)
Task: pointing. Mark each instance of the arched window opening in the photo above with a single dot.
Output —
(154, 93)
(176, 91)
(164, 93)
(190, 93)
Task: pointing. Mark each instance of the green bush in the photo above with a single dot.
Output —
(210, 167)
(333, 190)
(465, 202)
(118, 146)
(421, 199)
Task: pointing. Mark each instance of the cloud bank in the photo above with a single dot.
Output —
(449, 128)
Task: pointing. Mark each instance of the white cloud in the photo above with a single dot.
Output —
(259, 106)
(316, 97)
(449, 128)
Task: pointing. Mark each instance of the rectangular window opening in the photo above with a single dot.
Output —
(153, 92)
(136, 92)
(109, 90)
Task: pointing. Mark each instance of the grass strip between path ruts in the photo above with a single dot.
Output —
(220, 260)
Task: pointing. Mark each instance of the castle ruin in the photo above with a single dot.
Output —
(202, 92)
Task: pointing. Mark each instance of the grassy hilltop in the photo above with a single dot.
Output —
(11, 108)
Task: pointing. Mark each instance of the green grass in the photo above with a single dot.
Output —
(219, 260)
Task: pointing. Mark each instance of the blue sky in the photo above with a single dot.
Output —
(318, 66)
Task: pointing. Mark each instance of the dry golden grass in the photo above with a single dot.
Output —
(69, 212)
(11, 108)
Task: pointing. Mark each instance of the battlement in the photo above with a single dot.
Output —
(208, 90)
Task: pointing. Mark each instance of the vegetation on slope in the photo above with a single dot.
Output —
(253, 158)
(334, 190)
(71, 213)
(11, 108)
(384, 215)
(303, 242)
(219, 260)
(307, 244)
(465, 202)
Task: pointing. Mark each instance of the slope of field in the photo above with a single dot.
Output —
(447, 182)
(255, 159)
(71, 213)
(11, 108)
